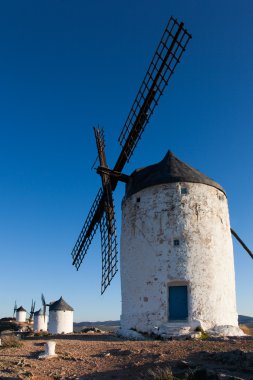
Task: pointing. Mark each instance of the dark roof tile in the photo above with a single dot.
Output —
(21, 309)
(60, 305)
(169, 170)
(39, 312)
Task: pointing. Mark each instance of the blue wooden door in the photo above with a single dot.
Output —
(178, 303)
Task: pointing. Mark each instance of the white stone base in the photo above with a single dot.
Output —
(169, 330)
(225, 330)
(180, 331)
(131, 334)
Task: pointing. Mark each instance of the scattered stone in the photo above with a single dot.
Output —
(132, 334)
(226, 330)
(224, 376)
(196, 335)
(183, 364)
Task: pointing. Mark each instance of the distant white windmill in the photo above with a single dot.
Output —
(40, 321)
(60, 317)
(21, 314)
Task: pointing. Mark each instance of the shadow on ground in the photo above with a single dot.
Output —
(83, 337)
(231, 365)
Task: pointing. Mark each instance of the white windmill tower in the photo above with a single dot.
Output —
(60, 317)
(40, 321)
(20, 314)
(177, 263)
(176, 244)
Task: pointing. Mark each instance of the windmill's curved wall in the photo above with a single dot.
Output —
(203, 261)
(60, 321)
(40, 323)
(21, 316)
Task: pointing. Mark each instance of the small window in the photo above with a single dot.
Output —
(138, 199)
(176, 242)
(184, 190)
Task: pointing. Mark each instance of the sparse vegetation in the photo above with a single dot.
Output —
(162, 374)
(42, 333)
(10, 341)
(203, 333)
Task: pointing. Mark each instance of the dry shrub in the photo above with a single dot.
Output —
(42, 333)
(246, 329)
(161, 374)
(10, 341)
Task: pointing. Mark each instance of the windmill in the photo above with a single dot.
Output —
(165, 60)
(177, 264)
(31, 314)
(15, 309)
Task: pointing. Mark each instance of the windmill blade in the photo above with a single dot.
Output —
(89, 229)
(43, 300)
(242, 243)
(108, 247)
(15, 308)
(105, 177)
(107, 222)
(32, 311)
(162, 66)
(44, 305)
(32, 307)
(165, 60)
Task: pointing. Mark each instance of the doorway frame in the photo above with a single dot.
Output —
(174, 284)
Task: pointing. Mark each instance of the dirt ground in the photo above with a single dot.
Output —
(106, 356)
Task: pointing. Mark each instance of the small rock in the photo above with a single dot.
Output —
(203, 374)
(183, 364)
(224, 376)
(27, 374)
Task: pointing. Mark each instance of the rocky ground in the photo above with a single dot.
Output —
(105, 356)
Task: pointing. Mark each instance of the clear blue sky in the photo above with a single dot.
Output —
(69, 65)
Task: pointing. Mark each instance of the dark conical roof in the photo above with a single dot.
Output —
(39, 312)
(60, 305)
(169, 170)
(21, 309)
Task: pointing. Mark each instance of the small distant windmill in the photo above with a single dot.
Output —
(31, 314)
(166, 58)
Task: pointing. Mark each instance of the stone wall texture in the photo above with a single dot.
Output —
(152, 220)
(40, 323)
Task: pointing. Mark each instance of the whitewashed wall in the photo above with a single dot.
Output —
(60, 321)
(21, 316)
(203, 260)
(40, 323)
